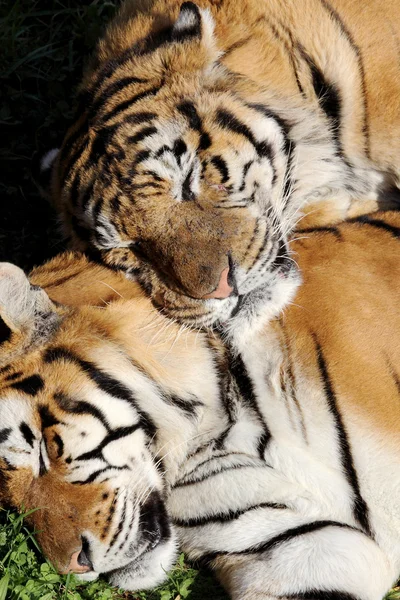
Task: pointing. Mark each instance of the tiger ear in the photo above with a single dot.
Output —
(26, 312)
(189, 23)
(195, 26)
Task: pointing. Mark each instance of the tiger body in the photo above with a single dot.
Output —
(273, 458)
(205, 131)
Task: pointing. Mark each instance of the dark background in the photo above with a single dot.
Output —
(42, 47)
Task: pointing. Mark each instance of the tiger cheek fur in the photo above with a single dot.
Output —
(61, 516)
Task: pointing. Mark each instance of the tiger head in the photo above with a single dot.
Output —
(179, 171)
(76, 441)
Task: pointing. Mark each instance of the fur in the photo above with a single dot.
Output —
(205, 131)
(272, 457)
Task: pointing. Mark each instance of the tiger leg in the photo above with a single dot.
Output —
(330, 563)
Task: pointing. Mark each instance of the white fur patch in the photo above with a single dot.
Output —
(48, 159)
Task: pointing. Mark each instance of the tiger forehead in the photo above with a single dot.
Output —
(151, 159)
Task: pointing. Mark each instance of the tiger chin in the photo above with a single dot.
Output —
(205, 131)
(274, 459)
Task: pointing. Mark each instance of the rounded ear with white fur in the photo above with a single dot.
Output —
(188, 45)
(192, 22)
(27, 315)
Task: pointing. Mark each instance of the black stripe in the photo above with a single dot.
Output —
(236, 45)
(127, 103)
(246, 389)
(262, 443)
(75, 189)
(252, 240)
(244, 175)
(142, 47)
(329, 99)
(322, 595)
(42, 466)
(141, 135)
(187, 406)
(100, 144)
(60, 445)
(220, 164)
(140, 157)
(30, 385)
(227, 120)
(80, 407)
(27, 433)
(115, 434)
(270, 114)
(46, 416)
(109, 91)
(188, 109)
(128, 531)
(360, 507)
(5, 434)
(147, 184)
(282, 538)
(13, 376)
(220, 441)
(230, 515)
(140, 117)
(288, 47)
(366, 220)
(104, 381)
(291, 379)
(393, 374)
(91, 477)
(328, 96)
(215, 474)
(120, 525)
(179, 148)
(335, 15)
(5, 332)
(336, 232)
(205, 141)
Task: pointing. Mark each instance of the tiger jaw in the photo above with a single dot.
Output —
(143, 557)
(274, 277)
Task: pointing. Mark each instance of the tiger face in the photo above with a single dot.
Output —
(179, 171)
(74, 442)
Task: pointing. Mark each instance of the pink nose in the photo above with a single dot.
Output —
(223, 289)
(74, 565)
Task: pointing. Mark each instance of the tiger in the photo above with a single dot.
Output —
(269, 454)
(204, 132)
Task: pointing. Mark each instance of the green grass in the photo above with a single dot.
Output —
(26, 575)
